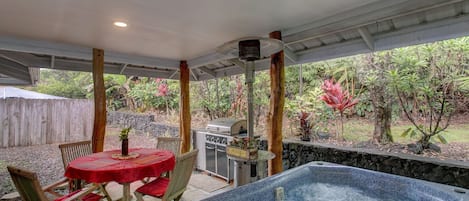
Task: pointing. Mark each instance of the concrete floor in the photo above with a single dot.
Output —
(200, 186)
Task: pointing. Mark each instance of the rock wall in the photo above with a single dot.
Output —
(142, 123)
(453, 173)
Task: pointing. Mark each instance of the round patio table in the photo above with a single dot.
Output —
(102, 167)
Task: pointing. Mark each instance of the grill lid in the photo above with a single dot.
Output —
(227, 126)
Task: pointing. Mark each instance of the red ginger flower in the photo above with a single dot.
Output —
(335, 97)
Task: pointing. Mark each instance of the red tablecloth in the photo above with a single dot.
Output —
(100, 167)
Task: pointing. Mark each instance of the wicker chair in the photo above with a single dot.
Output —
(28, 187)
(72, 151)
(172, 188)
(169, 143)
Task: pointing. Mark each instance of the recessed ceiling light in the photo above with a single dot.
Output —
(120, 24)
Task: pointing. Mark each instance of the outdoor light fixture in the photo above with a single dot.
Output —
(120, 24)
(248, 50)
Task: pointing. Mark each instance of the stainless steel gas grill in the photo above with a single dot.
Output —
(212, 142)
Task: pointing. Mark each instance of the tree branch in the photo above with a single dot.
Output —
(407, 113)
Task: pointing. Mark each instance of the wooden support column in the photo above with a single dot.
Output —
(99, 126)
(184, 108)
(277, 100)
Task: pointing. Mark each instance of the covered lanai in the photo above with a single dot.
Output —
(181, 40)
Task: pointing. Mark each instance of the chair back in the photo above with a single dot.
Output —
(179, 177)
(27, 184)
(71, 151)
(169, 143)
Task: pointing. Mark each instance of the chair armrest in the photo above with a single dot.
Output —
(51, 187)
(55, 184)
(82, 192)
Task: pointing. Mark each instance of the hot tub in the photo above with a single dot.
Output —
(327, 181)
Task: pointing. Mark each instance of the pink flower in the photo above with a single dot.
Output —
(335, 97)
(163, 90)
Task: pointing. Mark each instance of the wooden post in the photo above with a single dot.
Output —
(184, 108)
(99, 101)
(277, 100)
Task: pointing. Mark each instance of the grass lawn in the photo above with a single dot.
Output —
(362, 131)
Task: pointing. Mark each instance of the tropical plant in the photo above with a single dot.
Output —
(374, 77)
(163, 91)
(429, 78)
(306, 125)
(337, 99)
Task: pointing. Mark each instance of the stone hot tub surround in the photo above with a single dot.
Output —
(455, 173)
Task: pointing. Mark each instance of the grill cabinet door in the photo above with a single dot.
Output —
(210, 157)
(222, 161)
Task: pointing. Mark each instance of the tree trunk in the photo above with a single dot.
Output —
(382, 124)
(381, 100)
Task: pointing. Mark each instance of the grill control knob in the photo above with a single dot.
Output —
(217, 140)
(223, 141)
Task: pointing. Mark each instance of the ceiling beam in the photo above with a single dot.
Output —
(25, 59)
(196, 78)
(78, 52)
(14, 70)
(210, 58)
(11, 63)
(349, 14)
(290, 54)
(426, 33)
(354, 19)
(367, 37)
(123, 68)
(134, 71)
(173, 74)
(239, 63)
(208, 71)
(12, 81)
(52, 61)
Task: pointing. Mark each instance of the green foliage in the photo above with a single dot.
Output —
(363, 107)
(204, 95)
(414, 133)
(124, 134)
(67, 84)
(311, 103)
(463, 83)
(424, 80)
(113, 85)
(145, 94)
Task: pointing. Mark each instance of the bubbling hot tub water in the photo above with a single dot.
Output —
(319, 181)
(328, 192)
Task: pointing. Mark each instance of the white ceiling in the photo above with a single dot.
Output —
(60, 34)
(177, 29)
